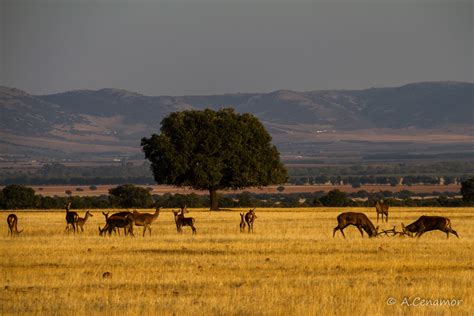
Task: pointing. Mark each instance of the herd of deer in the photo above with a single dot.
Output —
(127, 220)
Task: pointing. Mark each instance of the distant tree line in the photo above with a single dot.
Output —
(130, 196)
(355, 175)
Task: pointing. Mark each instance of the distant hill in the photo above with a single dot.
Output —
(112, 120)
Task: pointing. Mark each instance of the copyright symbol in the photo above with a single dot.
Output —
(391, 301)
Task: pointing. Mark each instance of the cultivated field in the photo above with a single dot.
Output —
(290, 265)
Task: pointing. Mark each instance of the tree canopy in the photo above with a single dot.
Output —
(128, 195)
(467, 190)
(213, 150)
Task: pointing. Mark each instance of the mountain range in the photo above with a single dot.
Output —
(112, 121)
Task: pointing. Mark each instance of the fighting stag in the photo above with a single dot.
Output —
(145, 219)
(242, 222)
(82, 221)
(359, 220)
(181, 221)
(381, 209)
(71, 219)
(12, 221)
(428, 223)
(250, 218)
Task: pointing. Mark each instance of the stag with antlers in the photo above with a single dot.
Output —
(359, 220)
(428, 223)
(250, 218)
(12, 221)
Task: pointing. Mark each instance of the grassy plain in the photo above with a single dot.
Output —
(290, 265)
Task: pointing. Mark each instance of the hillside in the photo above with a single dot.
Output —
(112, 121)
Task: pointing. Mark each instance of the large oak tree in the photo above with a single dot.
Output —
(213, 150)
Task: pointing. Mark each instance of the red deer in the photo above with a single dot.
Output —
(71, 219)
(242, 222)
(359, 220)
(145, 219)
(119, 214)
(81, 221)
(181, 221)
(250, 218)
(428, 223)
(381, 209)
(117, 222)
(12, 221)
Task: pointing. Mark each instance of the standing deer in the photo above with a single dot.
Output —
(81, 221)
(181, 221)
(359, 220)
(381, 208)
(242, 222)
(145, 219)
(117, 222)
(12, 221)
(119, 214)
(250, 218)
(428, 223)
(71, 219)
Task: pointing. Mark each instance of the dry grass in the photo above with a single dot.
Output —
(290, 265)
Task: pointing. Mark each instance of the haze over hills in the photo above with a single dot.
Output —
(112, 122)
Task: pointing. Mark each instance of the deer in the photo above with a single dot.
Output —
(119, 214)
(181, 221)
(242, 222)
(71, 219)
(12, 221)
(359, 220)
(382, 209)
(81, 221)
(145, 219)
(250, 218)
(117, 222)
(428, 223)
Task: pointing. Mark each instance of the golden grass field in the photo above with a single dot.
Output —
(291, 265)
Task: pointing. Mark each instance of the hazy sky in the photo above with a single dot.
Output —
(206, 47)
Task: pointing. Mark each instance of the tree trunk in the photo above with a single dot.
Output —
(214, 200)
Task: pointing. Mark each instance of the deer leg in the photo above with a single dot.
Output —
(378, 217)
(194, 230)
(418, 235)
(361, 233)
(386, 217)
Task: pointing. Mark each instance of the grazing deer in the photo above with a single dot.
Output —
(12, 221)
(145, 219)
(71, 219)
(250, 218)
(117, 222)
(181, 221)
(381, 208)
(428, 223)
(242, 222)
(359, 220)
(81, 221)
(119, 214)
